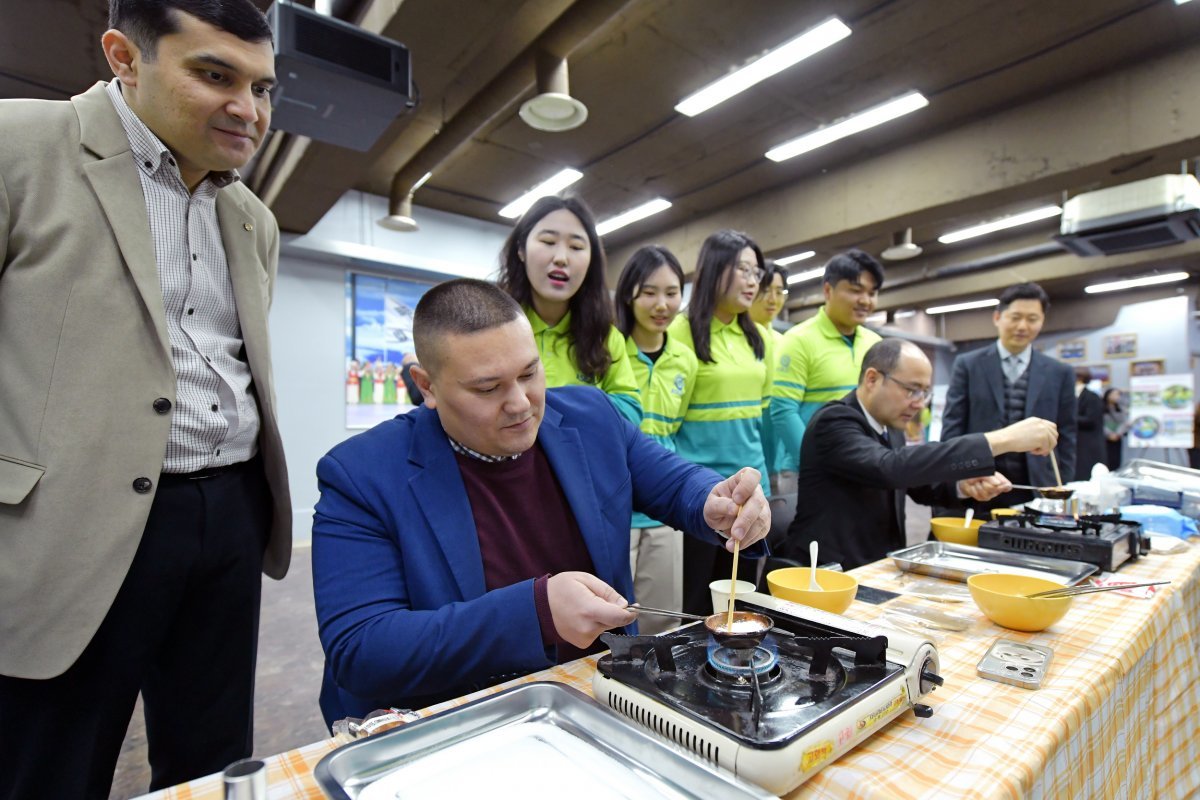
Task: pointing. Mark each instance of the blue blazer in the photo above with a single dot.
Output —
(404, 616)
(975, 404)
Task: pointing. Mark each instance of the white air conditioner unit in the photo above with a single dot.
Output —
(1135, 216)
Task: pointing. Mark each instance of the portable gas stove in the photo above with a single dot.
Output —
(818, 685)
(1105, 540)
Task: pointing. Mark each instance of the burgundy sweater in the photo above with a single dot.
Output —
(526, 530)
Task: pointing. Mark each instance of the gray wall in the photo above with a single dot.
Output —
(308, 317)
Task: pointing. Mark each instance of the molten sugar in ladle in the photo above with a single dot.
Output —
(746, 632)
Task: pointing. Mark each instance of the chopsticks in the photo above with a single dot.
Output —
(1057, 474)
(1071, 591)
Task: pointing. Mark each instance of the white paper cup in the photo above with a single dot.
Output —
(720, 593)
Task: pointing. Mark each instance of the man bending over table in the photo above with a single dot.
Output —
(855, 469)
(485, 534)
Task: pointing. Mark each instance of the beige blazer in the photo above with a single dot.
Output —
(83, 356)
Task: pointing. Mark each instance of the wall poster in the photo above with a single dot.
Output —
(379, 315)
(1161, 411)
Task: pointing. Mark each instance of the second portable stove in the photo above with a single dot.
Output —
(1105, 540)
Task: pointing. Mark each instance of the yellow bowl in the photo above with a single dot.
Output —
(791, 583)
(1002, 598)
(952, 530)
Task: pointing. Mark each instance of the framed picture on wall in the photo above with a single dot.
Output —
(1120, 345)
(1072, 349)
(1148, 366)
(1100, 372)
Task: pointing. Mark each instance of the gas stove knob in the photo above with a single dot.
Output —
(930, 680)
(923, 711)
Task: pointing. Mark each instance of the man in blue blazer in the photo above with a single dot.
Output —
(486, 534)
(1003, 383)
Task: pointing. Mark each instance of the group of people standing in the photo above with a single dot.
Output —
(716, 385)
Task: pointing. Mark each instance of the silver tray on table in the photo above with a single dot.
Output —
(538, 740)
(957, 562)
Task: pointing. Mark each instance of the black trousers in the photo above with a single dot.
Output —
(183, 630)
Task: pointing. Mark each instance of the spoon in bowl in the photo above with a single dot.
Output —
(813, 586)
(970, 515)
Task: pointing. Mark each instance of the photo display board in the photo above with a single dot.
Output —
(1161, 410)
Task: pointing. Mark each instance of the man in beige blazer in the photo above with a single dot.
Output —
(143, 489)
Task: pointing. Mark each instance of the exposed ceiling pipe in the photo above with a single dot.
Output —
(583, 20)
(926, 274)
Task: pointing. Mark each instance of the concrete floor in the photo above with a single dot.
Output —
(289, 671)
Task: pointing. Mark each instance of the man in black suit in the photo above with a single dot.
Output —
(855, 467)
(1000, 384)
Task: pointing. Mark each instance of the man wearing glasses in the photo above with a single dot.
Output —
(855, 468)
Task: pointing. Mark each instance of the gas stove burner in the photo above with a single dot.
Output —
(741, 663)
(1106, 540)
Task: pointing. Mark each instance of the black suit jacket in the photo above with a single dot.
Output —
(852, 486)
(975, 404)
(1091, 448)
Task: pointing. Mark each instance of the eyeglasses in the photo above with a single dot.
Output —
(751, 272)
(911, 392)
(775, 292)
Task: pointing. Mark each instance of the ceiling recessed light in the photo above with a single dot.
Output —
(963, 306)
(1044, 212)
(876, 115)
(553, 185)
(794, 257)
(808, 275)
(791, 52)
(632, 215)
(1133, 283)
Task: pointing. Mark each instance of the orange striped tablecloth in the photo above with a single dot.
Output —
(1117, 715)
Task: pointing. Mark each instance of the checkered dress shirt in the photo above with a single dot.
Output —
(214, 420)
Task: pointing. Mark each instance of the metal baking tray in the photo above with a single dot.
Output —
(957, 562)
(538, 740)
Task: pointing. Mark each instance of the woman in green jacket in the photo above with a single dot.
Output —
(722, 426)
(648, 296)
(553, 265)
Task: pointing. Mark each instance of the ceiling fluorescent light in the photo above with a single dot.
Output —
(792, 52)
(421, 182)
(1133, 283)
(904, 314)
(632, 215)
(792, 259)
(1045, 212)
(849, 126)
(963, 306)
(1181, 2)
(807, 275)
(552, 186)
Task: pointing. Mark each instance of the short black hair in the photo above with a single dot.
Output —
(772, 269)
(1024, 291)
(1083, 375)
(884, 356)
(146, 21)
(849, 265)
(463, 305)
(637, 269)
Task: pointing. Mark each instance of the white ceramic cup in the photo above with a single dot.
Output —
(720, 593)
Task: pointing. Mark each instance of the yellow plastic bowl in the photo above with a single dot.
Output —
(952, 530)
(1002, 599)
(791, 583)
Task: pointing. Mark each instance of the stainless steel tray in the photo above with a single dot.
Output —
(957, 562)
(538, 740)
